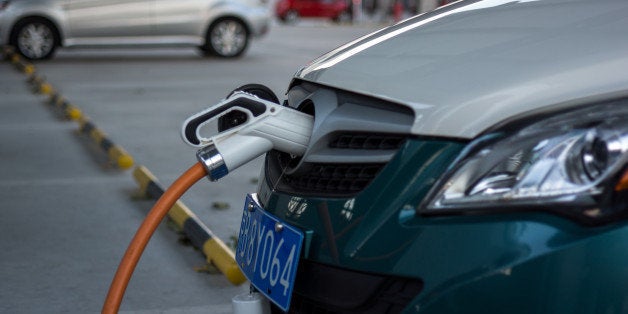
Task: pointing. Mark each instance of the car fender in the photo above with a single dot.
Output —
(44, 9)
(223, 9)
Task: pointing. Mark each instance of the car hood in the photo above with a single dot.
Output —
(470, 65)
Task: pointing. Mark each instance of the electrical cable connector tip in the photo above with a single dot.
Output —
(213, 162)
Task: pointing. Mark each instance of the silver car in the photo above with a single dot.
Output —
(218, 27)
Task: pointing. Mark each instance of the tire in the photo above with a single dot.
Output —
(35, 38)
(343, 17)
(226, 38)
(291, 17)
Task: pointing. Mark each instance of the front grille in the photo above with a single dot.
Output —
(325, 289)
(353, 138)
(336, 179)
(333, 179)
(367, 141)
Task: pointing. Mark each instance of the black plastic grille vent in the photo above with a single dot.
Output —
(366, 141)
(334, 178)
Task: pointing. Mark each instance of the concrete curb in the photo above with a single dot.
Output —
(70, 111)
(214, 249)
(39, 84)
(116, 154)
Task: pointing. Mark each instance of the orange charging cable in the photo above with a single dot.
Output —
(143, 234)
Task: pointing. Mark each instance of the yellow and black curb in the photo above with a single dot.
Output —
(70, 111)
(39, 85)
(216, 252)
(116, 154)
(21, 65)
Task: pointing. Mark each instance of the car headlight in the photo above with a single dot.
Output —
(572, 163)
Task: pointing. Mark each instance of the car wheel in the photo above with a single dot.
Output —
(343, 17)
(291, 17)
(35, 39)
(227, 38)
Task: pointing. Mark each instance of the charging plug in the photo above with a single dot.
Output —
(259, 125)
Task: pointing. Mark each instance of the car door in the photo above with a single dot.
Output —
(186, 19)
(107, 20)
(309, 8)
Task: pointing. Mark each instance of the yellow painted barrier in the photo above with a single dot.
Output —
(115, 153)
(216, 251)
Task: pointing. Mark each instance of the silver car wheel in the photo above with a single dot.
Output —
(35, 40)
(228, 38)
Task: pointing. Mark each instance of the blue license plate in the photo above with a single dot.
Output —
(268, 252)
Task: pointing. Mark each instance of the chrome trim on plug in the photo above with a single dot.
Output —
(211, 158)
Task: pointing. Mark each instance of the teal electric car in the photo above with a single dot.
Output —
(473, 159)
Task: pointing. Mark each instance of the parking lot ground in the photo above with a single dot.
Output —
(67, 214)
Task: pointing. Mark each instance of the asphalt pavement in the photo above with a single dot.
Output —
(67, 216)
(67, 212)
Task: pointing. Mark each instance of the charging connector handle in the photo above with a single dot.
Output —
(266, 126)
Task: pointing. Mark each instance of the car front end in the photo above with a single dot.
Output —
(473, 159)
